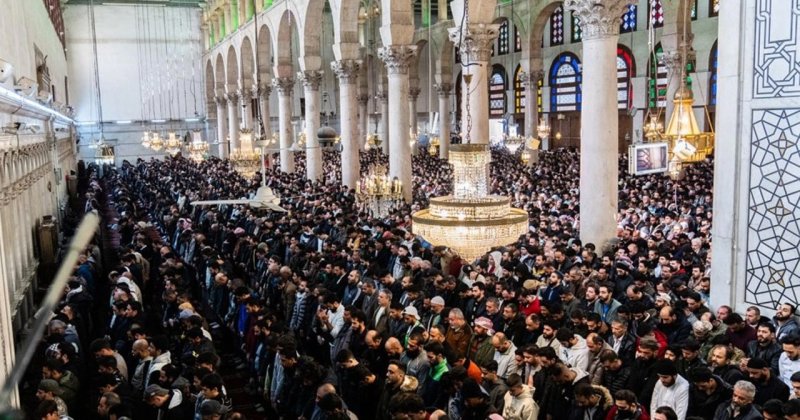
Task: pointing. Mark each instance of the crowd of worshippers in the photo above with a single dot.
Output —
(333, 313)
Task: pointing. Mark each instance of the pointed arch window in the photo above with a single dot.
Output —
(656, 12)
(712, 66)
(519, 92)
(502, 38)
(657, 81)
(557, 27)
(628, 23)
(497, 92)
(625, 71)
(565, 83)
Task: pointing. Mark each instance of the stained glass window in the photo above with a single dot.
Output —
(656, 13)
(657, 81)
(519, 92)
(565, 83)
(576, 28)
(502, 38)
(497, 92)
(712, 68)
(713, 8)
(517, 40)
(628, 23)
(557, 27)
(625, 70)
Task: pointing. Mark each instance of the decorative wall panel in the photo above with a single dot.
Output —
(776, 67)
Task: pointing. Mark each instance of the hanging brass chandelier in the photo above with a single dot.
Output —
(470, 221)
(245, 158)
(687, 141)
(433, 146)
(173, 145)
(377, 193)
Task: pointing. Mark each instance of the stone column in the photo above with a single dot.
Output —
(413, 94)
(285, 86)
(397, 58)
(475, 55)
(347, 72)
(263, 107)
(222, 127)
(444, 90)
(599, 122)
(311, 81)
(363, 120)
(233, 120)
(530, 83)
(383, 130)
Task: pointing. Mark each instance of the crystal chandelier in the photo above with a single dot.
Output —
(146, 139)
(156, 142)
(377, 193)
(245, 159)
(434, 145)
(198, 148)
(173, 144)
(543, 129)
(104, 155)
(373, 142)
(513, 142)
(470, 221)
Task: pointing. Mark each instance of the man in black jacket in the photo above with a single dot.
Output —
(707, 392)
(765, 346)
(768, 385)
(171, 404)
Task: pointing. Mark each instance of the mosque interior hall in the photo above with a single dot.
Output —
(399, 209)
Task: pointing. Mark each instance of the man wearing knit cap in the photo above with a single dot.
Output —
(768, 385)
(49, 390)
(436, 314)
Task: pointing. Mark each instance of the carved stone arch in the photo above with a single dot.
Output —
(247, 60)
(219, 76)
(232, 70)
(285, 42)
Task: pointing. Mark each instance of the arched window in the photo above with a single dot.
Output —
(656, 12)
(713, 8)
(577, 34)
(497, 92)
(628, 23)
(519, 92)
(712, 68)
(517, 40)
(625, 71)
(502, 38)
(565, 83)
(557, 27)
(657, 81)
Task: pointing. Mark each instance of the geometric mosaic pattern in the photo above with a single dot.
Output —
(773, 236)
(576, 28)
(776, 70)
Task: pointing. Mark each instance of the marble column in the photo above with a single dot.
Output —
(311, 81)
(599, 123)
(347, 73)
(263, 108)
(397, 59)
(383, 130)
(475, 55)
(285, 86)
(363, 120)
(413, 94)
(233, 120)
(222, 127)
(444, 90)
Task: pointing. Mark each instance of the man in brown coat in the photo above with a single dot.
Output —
(459, 333)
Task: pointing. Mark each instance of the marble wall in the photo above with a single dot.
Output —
(757, 218)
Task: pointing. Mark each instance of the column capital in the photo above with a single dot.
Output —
(233, 95)
(397, 57)
(443, 89)
(346, 70)
(476, 44)
(220, 100)
(598, 19)
(382, 96)
(310, 79)
(264, 91)
(530, 79)
(413, 93)
(284, 85)
(363, 99)
(672, 60)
